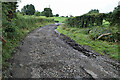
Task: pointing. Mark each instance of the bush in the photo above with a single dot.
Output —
(86, 20)
(95, 32)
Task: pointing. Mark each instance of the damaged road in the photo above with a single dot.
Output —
(46, 54)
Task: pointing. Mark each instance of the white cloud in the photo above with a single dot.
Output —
(73, 7)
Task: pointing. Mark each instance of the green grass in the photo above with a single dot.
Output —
(60, 19)
(81, 37)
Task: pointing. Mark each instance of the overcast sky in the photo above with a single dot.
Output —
(71, 7)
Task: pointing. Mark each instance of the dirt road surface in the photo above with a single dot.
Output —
(46, 54)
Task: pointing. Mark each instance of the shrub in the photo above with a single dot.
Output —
(86, 20)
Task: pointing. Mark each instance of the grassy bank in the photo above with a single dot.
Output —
(83, 37)
(16, 31)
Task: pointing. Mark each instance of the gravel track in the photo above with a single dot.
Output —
(45, 54)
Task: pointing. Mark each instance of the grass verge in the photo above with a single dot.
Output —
(78, 35)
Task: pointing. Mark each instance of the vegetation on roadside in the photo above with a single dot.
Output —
(97, 30)
(82, 37)
(15, 26)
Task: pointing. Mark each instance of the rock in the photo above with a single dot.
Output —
(21, 65)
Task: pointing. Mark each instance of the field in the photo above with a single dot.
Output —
(60, 19)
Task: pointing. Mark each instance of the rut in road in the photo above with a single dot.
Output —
(42, 54)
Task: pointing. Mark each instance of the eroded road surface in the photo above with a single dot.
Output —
(44, 54)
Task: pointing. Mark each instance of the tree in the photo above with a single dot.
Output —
(57, 15)
(93, 11)
(28, 9)
(116, 16)
(117, 8)
(18, 11)
(66, 16)
(47, 12)
(71, 16)
(37, 13)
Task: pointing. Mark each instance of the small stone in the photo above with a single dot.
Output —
(69, 68)
(21, 65)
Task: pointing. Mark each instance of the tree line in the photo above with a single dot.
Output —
(30, 10)
(93, 17)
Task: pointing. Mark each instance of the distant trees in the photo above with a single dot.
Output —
(28, 9)
(66, 16)
(71, 16)
(57, 15)
(37, 13)
(114, 17)
(93, 11)
(47, 12)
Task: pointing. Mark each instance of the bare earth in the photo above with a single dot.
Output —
(45, 54)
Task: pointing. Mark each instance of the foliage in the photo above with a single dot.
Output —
(8, 12)
(71, 16)
(97, 31)
(114, 17)
(93, 18)
(93, 11)
(37, 13)
(86, 20)
(87, 29)
(99, 24)
(57, 15)
(81, 36)
(62, 16)
(47, 12)
(28, 9)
